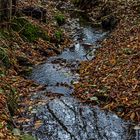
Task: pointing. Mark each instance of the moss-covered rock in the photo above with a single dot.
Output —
(60, 19)
(27, 30)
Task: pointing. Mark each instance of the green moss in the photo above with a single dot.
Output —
(60, 19)
(30, 32)
(27, 30)
(58, 35)
(19, 23)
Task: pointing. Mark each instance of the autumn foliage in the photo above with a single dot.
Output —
(112, 79)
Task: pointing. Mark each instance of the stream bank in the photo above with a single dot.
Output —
(114, 74)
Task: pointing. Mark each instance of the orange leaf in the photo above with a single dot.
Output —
(132, 116)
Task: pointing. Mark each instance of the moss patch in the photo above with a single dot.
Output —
(27, 30)
(58, 35)
(60, 19)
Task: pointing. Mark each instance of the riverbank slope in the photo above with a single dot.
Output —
(26, 42)
(112, 79)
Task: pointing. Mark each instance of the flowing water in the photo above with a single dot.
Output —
(65, 118)
(60, 71)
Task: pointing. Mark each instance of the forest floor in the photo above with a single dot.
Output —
(111, 80)
(21, 48)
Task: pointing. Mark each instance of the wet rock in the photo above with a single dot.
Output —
(72, 48)
(109, 22)
(67, 119)
(58, 60)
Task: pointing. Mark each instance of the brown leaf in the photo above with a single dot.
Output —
(132, 116)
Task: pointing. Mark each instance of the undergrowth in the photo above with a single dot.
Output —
(27, 30)
(4, 58)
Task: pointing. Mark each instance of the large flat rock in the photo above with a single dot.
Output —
(67, 119)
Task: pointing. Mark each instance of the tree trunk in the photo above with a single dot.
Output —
(6, 7)
(14, 4)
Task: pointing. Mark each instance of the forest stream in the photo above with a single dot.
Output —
(64, 117)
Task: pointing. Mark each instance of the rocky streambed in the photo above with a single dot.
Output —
(59, 72)
(64, 117)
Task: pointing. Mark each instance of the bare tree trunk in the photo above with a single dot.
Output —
(1, 10)
(14, 4)
(5, 10)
